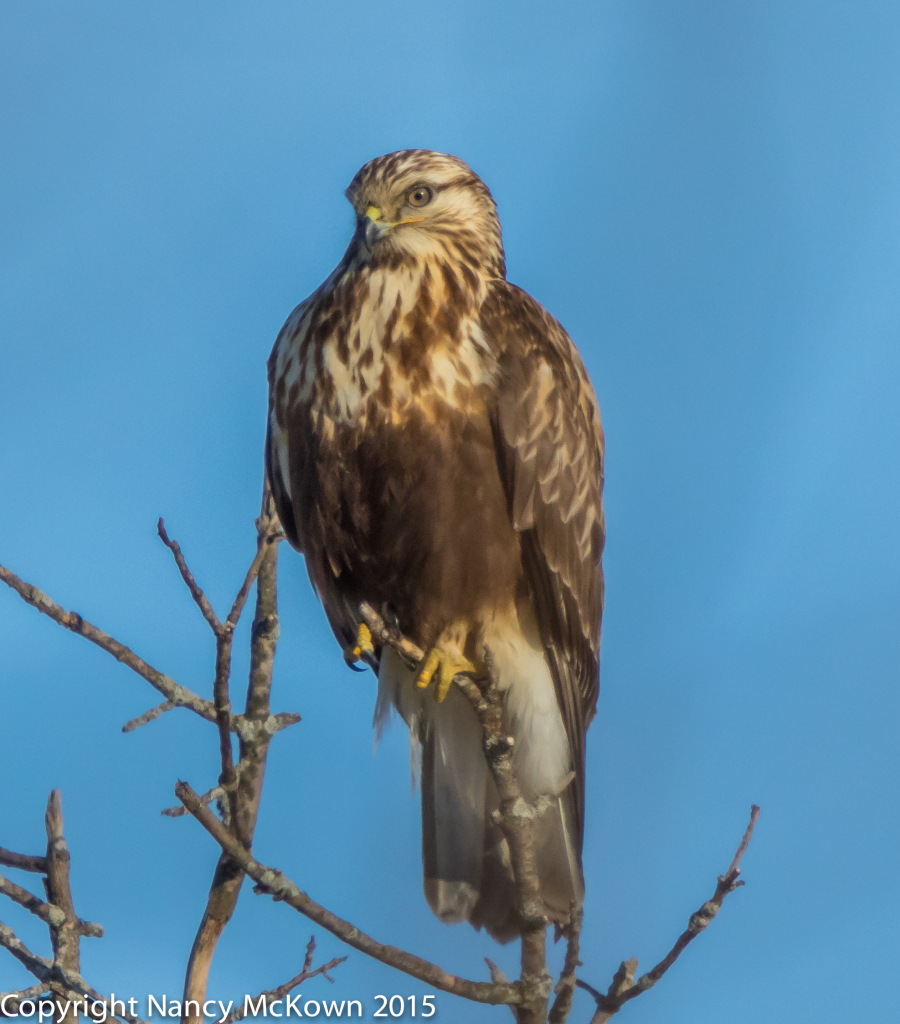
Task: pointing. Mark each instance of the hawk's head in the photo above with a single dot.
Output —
(417, 203)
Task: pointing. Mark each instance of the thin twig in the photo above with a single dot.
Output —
(216, 793)
(179, 695)
(390, 636)
(22, 861)
(11, 1000)
(284, 719)
(565, 987)
(279, 887)
(624, 988)
(47, 912)
(200, 599)
(224, 634)
(497, 975)
(37, 965)
(272, 537)
(499, 978)
(148, 716)
(222, 703)
(305, 974)
(267, 537)
(243, 789)
(734, 868)
(68, 984)
(72, 621)
(64, 934)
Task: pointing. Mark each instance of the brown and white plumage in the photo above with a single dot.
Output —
(435, 449)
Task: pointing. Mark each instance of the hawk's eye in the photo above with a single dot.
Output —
(420, 196)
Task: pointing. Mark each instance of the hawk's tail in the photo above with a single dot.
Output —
(465, 857)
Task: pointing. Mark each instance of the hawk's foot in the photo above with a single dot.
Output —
(363, 646)
(445, 665)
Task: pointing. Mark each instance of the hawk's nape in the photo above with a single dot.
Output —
(434, 448)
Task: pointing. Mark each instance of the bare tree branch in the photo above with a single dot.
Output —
(238, 795)
(38, 966)
(279, 887)
(305, 974)
(65, 983)
(499, 978)
(274, 535)
(276, 723)
(64, 934)
(12, 999)
(60, 975)
(242, 791)
(193, 586)
(216, 793)
(150, 715)
(45, 911)
(222, 703)
(565, 987)
(497, 975)
(174, 692)
(390, 637)
(224, 634)
(167, 686)
(22, 861)
(624, 987)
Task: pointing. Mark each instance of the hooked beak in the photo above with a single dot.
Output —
(372, 227)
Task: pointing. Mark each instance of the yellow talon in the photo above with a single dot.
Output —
(363, 646)
(429, 665)
(447, 665)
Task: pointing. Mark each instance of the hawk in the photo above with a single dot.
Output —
(434, 448)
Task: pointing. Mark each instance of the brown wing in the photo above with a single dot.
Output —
(291, 466)
(275, 438)
(550, 452)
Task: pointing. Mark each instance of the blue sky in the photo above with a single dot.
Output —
(706, 195)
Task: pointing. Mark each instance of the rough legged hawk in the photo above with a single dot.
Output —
(435, 449)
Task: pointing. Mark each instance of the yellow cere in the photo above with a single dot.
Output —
(373, 213)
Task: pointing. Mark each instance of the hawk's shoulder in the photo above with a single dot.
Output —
(525, 334)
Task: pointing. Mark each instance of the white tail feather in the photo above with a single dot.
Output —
(465, 858)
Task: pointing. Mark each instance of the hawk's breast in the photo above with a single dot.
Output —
(382, 344)
(382, 385)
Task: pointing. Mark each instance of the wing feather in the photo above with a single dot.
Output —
(277, 452)
(550, 452)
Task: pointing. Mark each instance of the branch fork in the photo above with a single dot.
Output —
(624, 987)
(60, 976)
